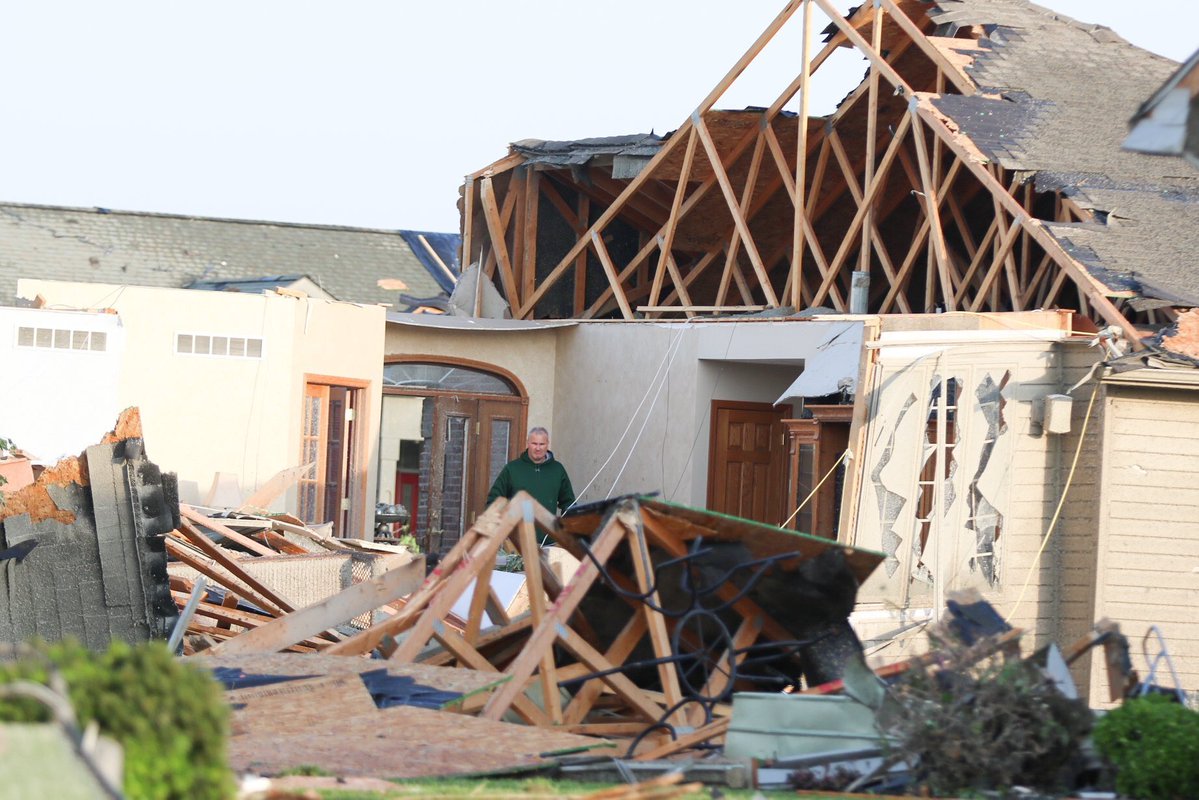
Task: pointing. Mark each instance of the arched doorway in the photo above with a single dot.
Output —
(449, 426)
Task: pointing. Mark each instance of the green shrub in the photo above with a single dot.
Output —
(170, 718)
(1154, 744)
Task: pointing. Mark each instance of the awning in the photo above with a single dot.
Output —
(830, 367)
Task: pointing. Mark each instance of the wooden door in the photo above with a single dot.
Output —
(327, 442)
(746, 461)
(472, 440)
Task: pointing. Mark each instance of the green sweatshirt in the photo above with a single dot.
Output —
(547, 482)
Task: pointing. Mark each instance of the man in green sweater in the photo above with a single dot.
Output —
(537, 473)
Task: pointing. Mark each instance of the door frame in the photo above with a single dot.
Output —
(357, 468)
(519, 399)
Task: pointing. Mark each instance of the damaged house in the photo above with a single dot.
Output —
(904, 323)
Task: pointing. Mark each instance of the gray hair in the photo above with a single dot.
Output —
(539, 429)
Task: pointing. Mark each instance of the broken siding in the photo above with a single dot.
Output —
(1001, 481)
(1149, 545)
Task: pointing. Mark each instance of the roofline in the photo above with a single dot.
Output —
(103, 211)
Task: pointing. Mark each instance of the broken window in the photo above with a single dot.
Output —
(984, 518)
(926, 485)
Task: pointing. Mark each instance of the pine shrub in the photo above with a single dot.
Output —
(170, 717)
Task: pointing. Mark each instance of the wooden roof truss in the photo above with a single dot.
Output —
(554, 652)
(750, 209)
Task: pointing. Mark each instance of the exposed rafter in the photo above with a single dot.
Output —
(788, 208)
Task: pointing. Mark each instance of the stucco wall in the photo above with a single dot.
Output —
(658, 381)
(204, 415)
(55, 401)
(529, 355)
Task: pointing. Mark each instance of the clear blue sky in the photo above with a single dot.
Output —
(370, 112)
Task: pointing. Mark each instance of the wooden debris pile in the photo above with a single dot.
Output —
(260, 568)
(669, 610)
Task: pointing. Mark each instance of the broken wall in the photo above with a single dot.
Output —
(960, 481)
(83, 554)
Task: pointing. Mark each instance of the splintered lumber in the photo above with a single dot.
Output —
(383, 742)
(707, 733)
(351, 602)
(189, 513)
(229, 563)
(211, 570)
(428, 605)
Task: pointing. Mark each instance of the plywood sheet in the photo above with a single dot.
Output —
(449, 679)
(401, 742)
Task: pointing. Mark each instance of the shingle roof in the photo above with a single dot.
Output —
(121, 247)
(1061, 94)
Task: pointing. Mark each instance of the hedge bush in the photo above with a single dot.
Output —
(171, 718)
(1154, 744)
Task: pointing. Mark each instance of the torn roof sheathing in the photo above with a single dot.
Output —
(1055, 96)
(1018, 115)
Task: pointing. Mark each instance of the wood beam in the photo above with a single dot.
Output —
(601, 250)
(495, 231)
(1088, 285)
(666, 242)
(933, 212)
(946, 67)
(726, 187)
(880, 176)
(799, 225)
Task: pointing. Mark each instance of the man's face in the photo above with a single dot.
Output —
(539, 445)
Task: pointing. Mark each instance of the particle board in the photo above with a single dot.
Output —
(402, 742)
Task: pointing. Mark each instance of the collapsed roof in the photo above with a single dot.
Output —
(1010, 114)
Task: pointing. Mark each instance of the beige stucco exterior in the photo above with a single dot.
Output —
(206, 415)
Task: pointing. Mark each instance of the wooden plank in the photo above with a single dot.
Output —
(665, 242)
(471, 657)
(493, 528)
(1000, 257)
(273, 602)
(581, 704)
(932, 210)
(375, 635)
(730, 199)
(747, 191)
(189, 513)
(497, 234)
(357, 599)
(531, 552)
(601, 250)
(630, 692)
(867, 198)
(706, 733)
(799, 224)
(545, 634)
(656, 624)
(876, 30)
